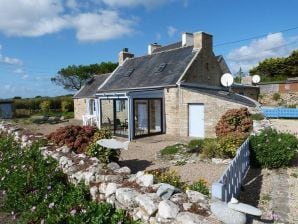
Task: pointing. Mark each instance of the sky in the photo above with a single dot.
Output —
(39, 37)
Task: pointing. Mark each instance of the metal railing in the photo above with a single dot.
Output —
(229, 184)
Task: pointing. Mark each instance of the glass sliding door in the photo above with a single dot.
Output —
(107, 114)
(114, 115)
(141, 117)
(155, 116)
(147, 117)
(121, 117)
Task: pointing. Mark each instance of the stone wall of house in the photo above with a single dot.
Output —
(79, 108)
(205, 69)
(176, 110)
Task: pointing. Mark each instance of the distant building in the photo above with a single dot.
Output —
(6, 109)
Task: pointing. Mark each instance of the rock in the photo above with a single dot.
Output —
(102, 188)
(140, 214)
(146, 203)
(217, 161)
(227, 215)
(123, 170)
(189, 218)
(126, 196)
(139, 173)
(167, 209)
(195, 196)
(81, 162)
(179, 198)
(63, 161)
(145, 180)
(186, 206)
(111, 200)
(110, 189)
(113, 166)
(81, 155)
(165, 191)
(93, 192)
(245, 208)
(113, 178)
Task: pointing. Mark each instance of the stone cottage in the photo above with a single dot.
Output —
(175, 90)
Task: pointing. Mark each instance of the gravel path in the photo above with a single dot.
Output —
(141, 155)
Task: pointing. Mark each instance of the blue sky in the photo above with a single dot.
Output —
(38, 37)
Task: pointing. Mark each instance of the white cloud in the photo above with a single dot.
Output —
(158, 36)
(33, 18)
(171, 31)
(101, 26)
(19, 71)
(149, 4)
(248, 56)
(9, 60)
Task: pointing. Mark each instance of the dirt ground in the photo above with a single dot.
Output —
(275, 192)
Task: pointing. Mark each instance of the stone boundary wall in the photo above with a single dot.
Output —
(136, 193)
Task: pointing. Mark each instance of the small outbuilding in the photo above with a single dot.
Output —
(6, 109)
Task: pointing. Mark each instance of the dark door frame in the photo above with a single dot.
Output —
(148, 111)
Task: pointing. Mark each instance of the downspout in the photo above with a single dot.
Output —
(130, 117)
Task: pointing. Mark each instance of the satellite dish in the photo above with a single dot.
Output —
(227, 80)
(256, 78)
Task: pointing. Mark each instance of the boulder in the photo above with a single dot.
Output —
(145, 180)
(113, 178)
(140, 214)
(146, 203)
(113, 166)
(102, 188)
(179, 198)
(186, 206)
(93, 192)
(245, 208)
(189, 218)
(110, 189)
(165, 191)
(126, 196)
(195, 196)
(167, 209)
(123, 170)
(228, 216)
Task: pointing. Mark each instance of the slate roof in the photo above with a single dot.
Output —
(221, 93)
(141, 72)
(90, 88)
(168, 47)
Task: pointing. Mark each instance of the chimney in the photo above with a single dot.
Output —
(123, 55)
(187, 39)
(202, 40)
(152, 47)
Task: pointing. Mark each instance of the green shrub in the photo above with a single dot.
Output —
(34, 190)
(167, 176)
(195, 145)
(200, 186)
(172, 149)
(234, 120)
(257, 117)
(229, 144)
(211, 148)
(65, 106)
(45, 106)
(271, 149)
(104, 155)
(276, 96)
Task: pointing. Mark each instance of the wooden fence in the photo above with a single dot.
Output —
(229, 184)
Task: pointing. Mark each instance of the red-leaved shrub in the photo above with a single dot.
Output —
(234, 121)
(75, 137)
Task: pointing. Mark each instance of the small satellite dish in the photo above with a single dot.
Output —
(227, 80)
(256, 78)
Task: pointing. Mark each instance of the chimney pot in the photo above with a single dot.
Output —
(152, 47)
(123, 55)
(203, 40)
(187, 39)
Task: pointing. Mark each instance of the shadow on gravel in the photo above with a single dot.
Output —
(135, 165)
(251, 192)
